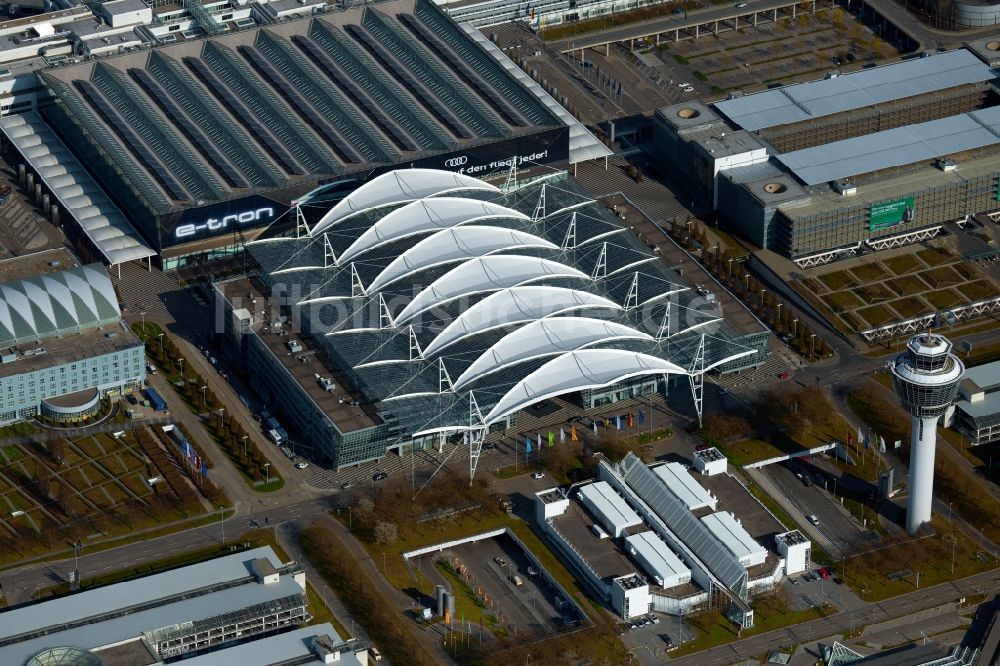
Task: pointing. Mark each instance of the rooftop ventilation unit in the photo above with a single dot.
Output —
(845, 187)
(946, 165)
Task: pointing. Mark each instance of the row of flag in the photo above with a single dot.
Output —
(193, 458)
(869, 437)
(627, 420)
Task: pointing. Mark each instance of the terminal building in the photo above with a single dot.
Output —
(243, 608)
(186, 149)
(868, 160)
(976, 413)
(539, 14)
(63, 345)
(428, 308)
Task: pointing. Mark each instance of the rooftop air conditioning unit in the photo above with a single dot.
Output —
(845, 187)
(946, 165)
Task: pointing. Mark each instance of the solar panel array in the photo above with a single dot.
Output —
(407, 80)
(128, 136)
(182, 123)
(249, 120)
(302, 107)
(459, 66)
(357, 95)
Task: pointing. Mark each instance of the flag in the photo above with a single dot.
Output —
(595, 426)
(628, 419)
(607, 423)
(618, 420)
(572, 433)
(868, 442)
(552, 438)
(197, 461)
(898, 444)
(881, 444)
(465, 437)
(641, 417)
(204, 469)
(850, 440)
(527, 444)
(538, 439)
(562, 435)
(861, 437)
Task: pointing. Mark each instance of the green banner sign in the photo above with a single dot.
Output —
(890, 213)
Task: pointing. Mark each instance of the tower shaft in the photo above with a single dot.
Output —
(922, 442)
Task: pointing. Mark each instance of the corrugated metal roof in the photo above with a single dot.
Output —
(680, 482)
(909, 78)
(895, 147)
(603, 499)
(737, 540)
(131, 593)
(275, 650)
(657, 556)
(985, 376)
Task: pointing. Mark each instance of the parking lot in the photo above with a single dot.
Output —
(515, 594)
(657, 635)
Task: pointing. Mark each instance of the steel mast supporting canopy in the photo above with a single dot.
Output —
(513, 306)
(579, 370)
(546, 337)
(396, 187)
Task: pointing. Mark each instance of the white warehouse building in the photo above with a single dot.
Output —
(687, 489)
(726, 528)
(609, 508)
(657, 559)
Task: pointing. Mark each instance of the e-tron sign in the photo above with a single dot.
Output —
(226, 217)
(211, 225)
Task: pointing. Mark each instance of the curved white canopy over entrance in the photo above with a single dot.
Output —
(546, 337)
(482, 275)
(425, 215)
(514, 306)
(579, 370)
(398, 187)
(449, 245)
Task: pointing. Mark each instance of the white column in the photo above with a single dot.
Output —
(921, 490)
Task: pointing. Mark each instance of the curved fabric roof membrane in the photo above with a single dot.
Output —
(513, 306)
(477, 295)
(397, 187)
(546, 337)
(426, 215)
(578, 370)
(451, 245)
(56, 303)
(485, 274)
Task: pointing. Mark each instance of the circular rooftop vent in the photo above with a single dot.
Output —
(775, 188)
(993, 46)
(689, 113)
(65, 656)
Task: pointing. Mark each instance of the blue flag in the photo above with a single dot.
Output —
(618, 421)
(204, 469)
(868, 439)
(527, 445)
(641, 417)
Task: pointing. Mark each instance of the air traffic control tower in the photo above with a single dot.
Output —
(926, 379)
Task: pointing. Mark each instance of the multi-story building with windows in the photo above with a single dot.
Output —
(63, 344)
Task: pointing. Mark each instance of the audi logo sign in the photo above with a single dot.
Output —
(456, 161)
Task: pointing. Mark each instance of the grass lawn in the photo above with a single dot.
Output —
(904, 263)
(907, 285)
(932, 256)
(931, 556)
(967, 270)
(868, 273)
(877, 315)
(978, 290)
(841, 301)
(941, 276)
(837, 281)
(874, 293)
(908, 308)
(944, 298)
(11, 453)
(751, 451)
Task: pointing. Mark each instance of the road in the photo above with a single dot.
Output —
(806, 632)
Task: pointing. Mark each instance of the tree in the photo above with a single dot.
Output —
(386, 533)
(364, 508)
(66, 499)
(57, 449)
(43, 480)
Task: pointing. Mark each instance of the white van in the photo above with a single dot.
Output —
(274, 436)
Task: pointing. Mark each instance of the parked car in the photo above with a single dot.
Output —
(824, 573)
(538, 475)
(376, 655)
(380, 476)
(301, 465)
(813, 519)
(500, 561)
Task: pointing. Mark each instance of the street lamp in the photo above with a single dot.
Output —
(244, 445)
(160, 336)
(181, 362)
(812, 345)
(267, 473)
(204, 400)
(222, 522)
